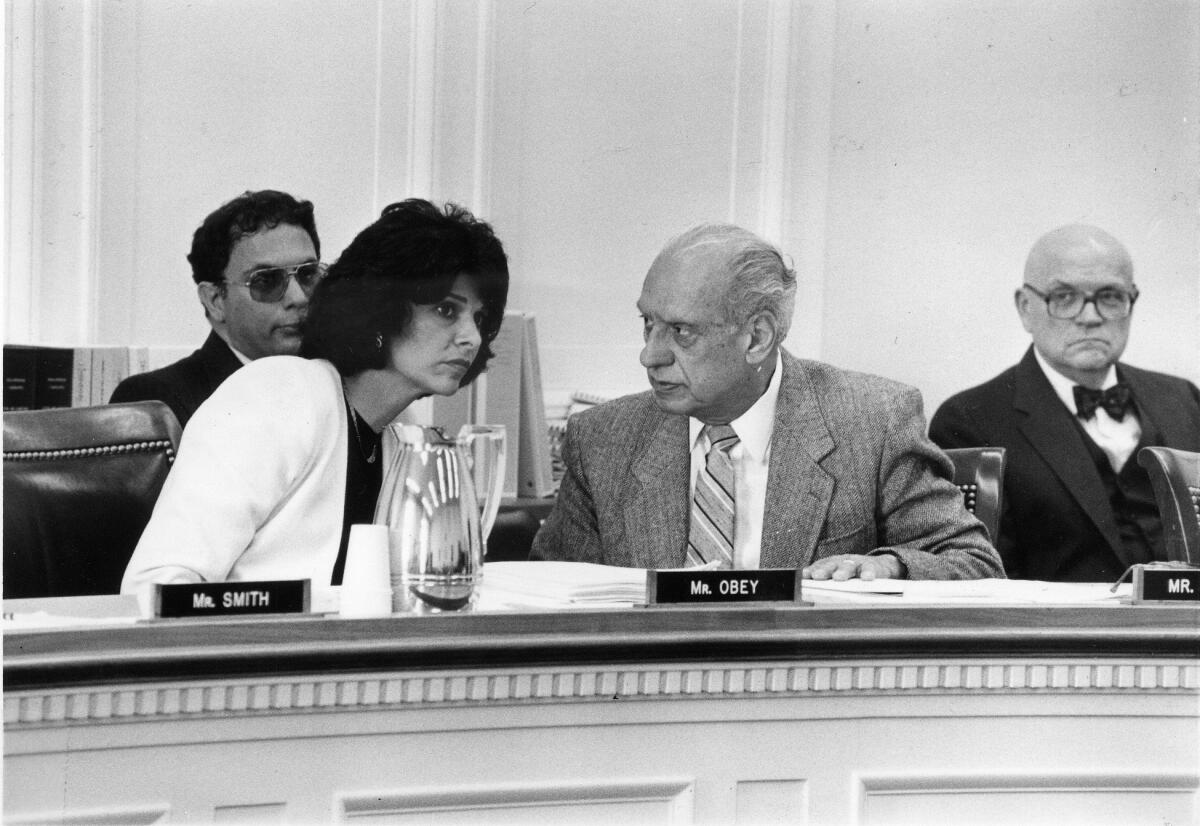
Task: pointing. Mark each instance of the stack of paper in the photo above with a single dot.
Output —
(52, 613)
(560, 585)
(1013, 591)
(949, 592)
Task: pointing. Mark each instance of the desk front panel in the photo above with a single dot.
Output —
(690, 716)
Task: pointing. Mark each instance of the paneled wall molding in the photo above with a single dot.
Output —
(266, 697)
(53, 167)
(805, 223)
(22, 165)
(674, 793)
(485, 90)
(781, 139)
(422, 97)
(438, 105)
(777, 94)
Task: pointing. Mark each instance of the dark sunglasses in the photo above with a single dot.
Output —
(270, 283)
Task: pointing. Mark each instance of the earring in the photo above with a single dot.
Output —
(379, 341)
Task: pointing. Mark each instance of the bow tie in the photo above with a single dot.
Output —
(1115, 401)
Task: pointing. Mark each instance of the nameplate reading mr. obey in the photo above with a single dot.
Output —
(755, 585)
(209, 599)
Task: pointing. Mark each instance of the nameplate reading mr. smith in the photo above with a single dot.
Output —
(208, 599)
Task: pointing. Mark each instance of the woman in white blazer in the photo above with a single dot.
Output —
(287, 453)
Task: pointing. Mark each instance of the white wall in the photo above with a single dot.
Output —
(904, 154)
(963, 131)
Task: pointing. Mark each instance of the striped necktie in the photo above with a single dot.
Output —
(710, 537)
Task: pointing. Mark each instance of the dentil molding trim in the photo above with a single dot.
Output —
(272, 696)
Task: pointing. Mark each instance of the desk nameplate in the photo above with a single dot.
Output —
(1164, 585)
(689, 587)
(208, 599)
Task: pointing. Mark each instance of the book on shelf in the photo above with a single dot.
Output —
(534, 473)
(37, 376)
(498, 399)
(55, 384)
(20, 377)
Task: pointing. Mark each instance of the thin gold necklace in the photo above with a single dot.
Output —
(358, 436)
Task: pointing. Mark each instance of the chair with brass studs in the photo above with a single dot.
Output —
(979, 474)
(1175, 477)
(79, 486)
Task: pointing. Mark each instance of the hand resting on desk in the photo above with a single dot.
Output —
(850, 566)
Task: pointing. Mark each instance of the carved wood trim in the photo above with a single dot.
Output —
(269, 696)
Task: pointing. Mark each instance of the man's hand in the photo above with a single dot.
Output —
(849, 566)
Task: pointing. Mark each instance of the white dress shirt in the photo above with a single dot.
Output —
(751, 458)
(1118, 440)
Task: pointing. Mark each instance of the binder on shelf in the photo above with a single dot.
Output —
(39, 376)
(498, 400)
(110, 366)
(535, 478)
(20, 377)
(55, 377)
(81, 378)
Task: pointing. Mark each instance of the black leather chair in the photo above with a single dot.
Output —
(1175, 476)
(512, 535)
(979, 474)
(79, 486)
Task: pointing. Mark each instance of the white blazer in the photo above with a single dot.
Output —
(258, 488)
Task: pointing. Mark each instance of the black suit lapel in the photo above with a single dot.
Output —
(1048, 426)
(218, 361)
(1159, 417)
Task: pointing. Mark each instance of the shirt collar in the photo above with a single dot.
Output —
(1063, 386)
(755, 426)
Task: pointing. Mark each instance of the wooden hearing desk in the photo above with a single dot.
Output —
(716, 715)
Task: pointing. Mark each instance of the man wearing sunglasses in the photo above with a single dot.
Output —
(255, 262)
(1077, 505)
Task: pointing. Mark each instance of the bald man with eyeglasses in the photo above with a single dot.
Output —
(255, 261)
(1077, 505)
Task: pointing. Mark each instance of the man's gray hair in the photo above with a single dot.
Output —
(762, 281)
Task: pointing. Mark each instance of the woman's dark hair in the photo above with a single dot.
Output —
(411, 255)
(248, 213)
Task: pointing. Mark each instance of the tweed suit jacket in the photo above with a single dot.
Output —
(1057, 522)
(851, 472)
(184, 385)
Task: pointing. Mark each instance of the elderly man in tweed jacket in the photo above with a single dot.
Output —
(829, 471)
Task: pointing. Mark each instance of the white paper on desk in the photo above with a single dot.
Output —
(42, 620)
(1021, 591)
(563, 584)
(53, 613)
(855, 586)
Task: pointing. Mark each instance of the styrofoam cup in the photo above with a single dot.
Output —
(367, 578)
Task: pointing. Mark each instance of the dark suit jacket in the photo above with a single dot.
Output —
(1057, 522)
(851, 472)
(185, 384)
